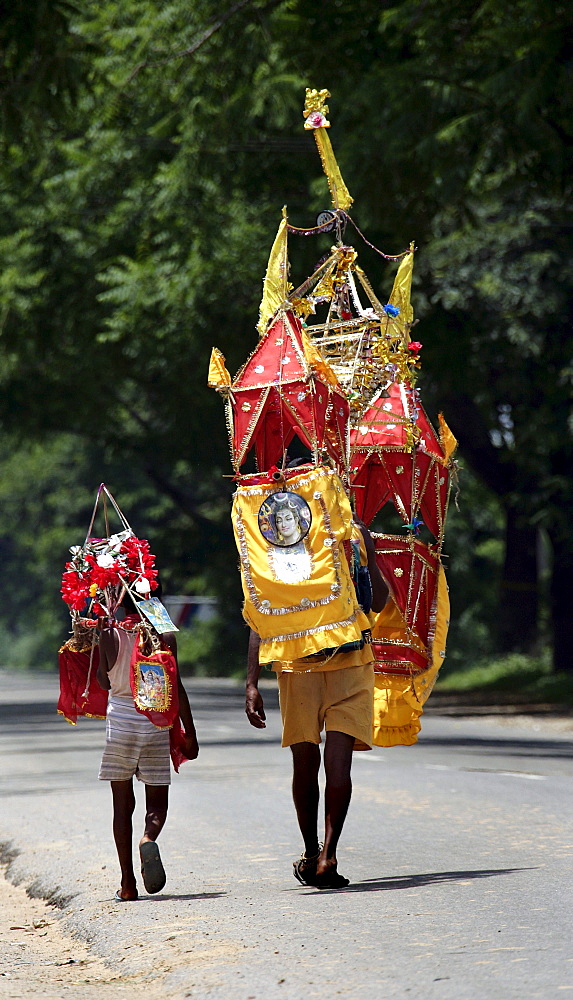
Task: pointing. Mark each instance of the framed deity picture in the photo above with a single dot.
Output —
(284, 519)
(156, 615)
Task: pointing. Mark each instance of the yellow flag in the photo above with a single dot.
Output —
(218, 377)
(400, 296)
(341, 197)
(447, 439)
(316, 360)
(314, 114)
(275, 283)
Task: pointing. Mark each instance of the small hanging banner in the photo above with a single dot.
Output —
(153, 681)
(80, 693)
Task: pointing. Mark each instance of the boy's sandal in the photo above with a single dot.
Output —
(118, 898)
(152, 870)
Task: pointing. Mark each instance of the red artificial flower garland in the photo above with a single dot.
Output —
(97, 568)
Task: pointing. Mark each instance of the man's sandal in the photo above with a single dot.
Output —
(304, 870)
(331, 880)
(152, 870)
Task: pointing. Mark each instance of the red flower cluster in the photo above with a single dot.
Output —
(132, 562)
(103, 576)
(139, 560)
(414, 346)
(75, 588)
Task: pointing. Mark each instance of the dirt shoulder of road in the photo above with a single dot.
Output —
(40, 960)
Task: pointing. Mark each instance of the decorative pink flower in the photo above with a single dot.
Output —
(414, 346)
(315, 120)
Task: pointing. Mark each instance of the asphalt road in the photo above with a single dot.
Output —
(459, 853)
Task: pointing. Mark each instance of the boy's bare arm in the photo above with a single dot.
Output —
(191, 744)
(107, 658)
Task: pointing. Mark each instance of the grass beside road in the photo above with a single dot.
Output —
(514, 677)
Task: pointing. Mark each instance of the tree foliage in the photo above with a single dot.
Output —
(147, 155)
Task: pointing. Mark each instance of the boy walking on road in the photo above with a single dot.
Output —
(135, 746)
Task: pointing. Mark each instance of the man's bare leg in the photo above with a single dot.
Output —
(305, 793)
(123, 806)
(338, 791)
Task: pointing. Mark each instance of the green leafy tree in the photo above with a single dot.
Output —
(45, 65)
(138, 236)
(457, 130)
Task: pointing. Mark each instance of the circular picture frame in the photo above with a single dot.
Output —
(284, 519)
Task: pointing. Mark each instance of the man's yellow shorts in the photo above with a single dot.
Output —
(339, 700)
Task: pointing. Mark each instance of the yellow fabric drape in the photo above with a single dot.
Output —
(447, 440)
(316, 360)
(399, 701)
(218, 377)
(296, 619)
(275, 283)
(341, 197)
(402, 288)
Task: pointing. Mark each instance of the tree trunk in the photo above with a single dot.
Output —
(519, 594)
(561, 597)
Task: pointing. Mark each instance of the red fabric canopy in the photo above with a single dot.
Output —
(396, 455)
(411, 570)
(280, 392)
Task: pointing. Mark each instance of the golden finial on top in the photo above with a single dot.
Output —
(315, 110)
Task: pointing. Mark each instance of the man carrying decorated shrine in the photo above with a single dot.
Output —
(332, 687)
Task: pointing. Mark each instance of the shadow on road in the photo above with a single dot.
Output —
(179, 897)
(509, 747)
(430, 878)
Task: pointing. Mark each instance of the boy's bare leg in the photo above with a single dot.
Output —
(337, 764)
(152, 870)
(156, 802)
(123, 806)
(305, 793)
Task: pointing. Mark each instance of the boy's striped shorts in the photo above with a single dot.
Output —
(134, 746)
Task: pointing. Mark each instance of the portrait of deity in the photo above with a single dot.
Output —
(151, 692)
(284, 519)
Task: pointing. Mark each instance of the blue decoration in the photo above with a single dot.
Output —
(414, 525)
(391, 310)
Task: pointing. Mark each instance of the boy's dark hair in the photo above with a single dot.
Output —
(128, 603)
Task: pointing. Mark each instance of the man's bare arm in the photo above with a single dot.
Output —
(253, 700)
(379, 585)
